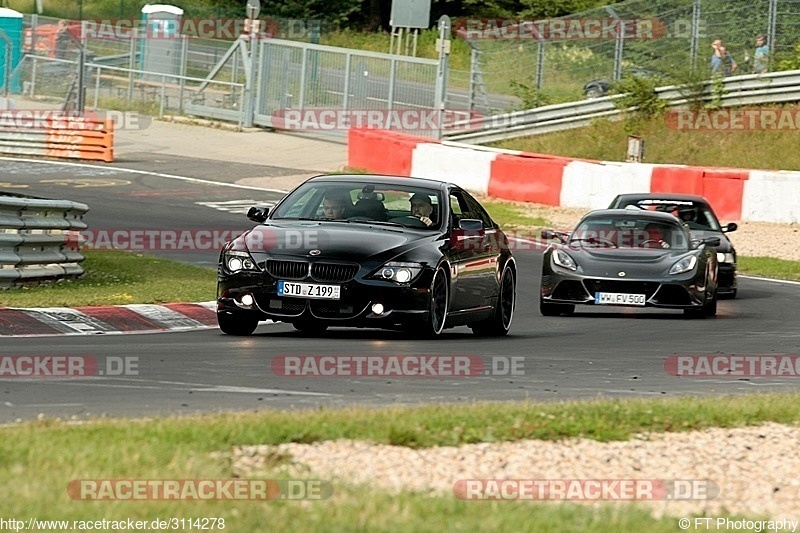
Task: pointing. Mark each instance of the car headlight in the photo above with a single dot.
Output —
(398, 271)
(563, 259)
(684, 265)
(238, 261)
(725, 257)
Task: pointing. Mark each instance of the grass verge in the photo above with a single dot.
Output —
(769, 267)
(42, 457)
(606, 140)
(118, 277)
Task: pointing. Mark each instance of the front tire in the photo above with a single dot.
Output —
(499, 325)
(439, 303)
(237, 324)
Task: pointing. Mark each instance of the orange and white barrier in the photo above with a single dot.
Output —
(735, 194)
(56, 134)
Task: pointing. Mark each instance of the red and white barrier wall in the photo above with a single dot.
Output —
(735, 194)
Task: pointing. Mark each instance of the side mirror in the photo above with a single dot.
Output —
(732, 226)
(548, 234)
(258, 214)
(470, 224)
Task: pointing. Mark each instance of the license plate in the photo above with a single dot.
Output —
(309, 290)
(618, 298)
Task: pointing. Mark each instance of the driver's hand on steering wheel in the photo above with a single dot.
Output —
(427, 221)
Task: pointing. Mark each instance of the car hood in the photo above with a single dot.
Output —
(639, 263)
(334, 240)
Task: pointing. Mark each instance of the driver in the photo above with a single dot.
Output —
(336, 205)
(422, 208)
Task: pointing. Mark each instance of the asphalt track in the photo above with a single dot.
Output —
(596, 353)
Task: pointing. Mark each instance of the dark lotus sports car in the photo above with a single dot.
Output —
(621, 257)
(348, 250)
(696, 213)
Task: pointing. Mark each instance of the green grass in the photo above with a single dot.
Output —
(117, 277)
(38, 459)
(769, 267)
(607, 140)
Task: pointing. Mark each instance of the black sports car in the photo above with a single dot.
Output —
(369, 251)
(600, 87)
(697, 215)
(629, 258)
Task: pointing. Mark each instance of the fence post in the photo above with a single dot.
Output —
(348, 58)
(540, 65)
(392, 76)
(132, 63)
(97, 85)
(182, 79)
(773, 22)
(473, 73)
(618, 49)
(303, 67)
(444, 26)
(695, 33)
(250, 83)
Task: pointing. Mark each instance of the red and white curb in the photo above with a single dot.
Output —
(107, 319)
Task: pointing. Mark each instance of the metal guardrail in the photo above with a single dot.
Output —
(39, 240)
(738, 90)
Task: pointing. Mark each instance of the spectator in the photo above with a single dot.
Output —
(63, 39)
(722, 62)
(760, 55)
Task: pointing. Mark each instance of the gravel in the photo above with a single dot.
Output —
(753, 239)
(754, 467)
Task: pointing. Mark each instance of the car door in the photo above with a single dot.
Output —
(473, 261)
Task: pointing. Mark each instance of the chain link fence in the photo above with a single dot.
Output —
(556, 69)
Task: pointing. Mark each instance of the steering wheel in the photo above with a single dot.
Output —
(410, 221)
(659, 242)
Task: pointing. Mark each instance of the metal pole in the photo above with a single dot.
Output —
(773, 22)
(82, 71)
(182, 80)
(97, 86)
(444, 26)
(695, 33)
(618, 49)
(303, 67)
(540, 66)
(250, 83)
(132, 63)
(163, 95)
(473, 64)
(346, 99)
(392, 76)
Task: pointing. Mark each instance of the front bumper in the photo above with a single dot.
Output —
(403, 304)
(678, 294)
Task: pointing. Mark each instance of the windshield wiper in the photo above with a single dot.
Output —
(594, 240)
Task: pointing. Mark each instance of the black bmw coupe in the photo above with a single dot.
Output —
(369, 251)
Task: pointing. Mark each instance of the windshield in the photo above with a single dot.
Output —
(694, 215)
(628, 232)
(362, 202)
